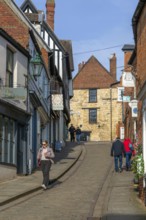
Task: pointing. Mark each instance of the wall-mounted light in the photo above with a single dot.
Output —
(37, 65)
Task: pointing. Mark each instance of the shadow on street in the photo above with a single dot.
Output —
(123, 217)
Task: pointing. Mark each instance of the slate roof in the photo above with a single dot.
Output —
(128, 47)
(67, 44)
(29, 3)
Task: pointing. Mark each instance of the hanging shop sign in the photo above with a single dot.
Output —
(126, 98)
(122, 131)
(57, 102)
(128, 80)
(120, 94)
(134, 108)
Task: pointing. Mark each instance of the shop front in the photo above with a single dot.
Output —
(13, 136)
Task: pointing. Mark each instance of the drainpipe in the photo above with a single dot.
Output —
(135, 118)
(111, 110)
(111, 113)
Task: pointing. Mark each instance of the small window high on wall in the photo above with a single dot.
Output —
(92, 95)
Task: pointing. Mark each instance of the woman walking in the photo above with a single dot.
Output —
(128, 150)
(44, 156)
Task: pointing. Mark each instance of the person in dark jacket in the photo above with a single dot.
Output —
(118, 151)
(72, 133)
(78, 134)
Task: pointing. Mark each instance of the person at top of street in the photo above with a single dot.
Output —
(78, 134)
(72, 133)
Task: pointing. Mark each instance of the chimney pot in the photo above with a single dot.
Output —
(80, 66)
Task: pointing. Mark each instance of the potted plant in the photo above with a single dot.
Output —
(138, 164)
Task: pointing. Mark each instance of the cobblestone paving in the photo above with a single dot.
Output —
(71, 200)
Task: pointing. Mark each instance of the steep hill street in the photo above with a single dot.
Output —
(90, 190)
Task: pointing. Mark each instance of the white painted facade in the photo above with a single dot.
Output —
(20, 64)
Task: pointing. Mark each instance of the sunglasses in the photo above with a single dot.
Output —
(43, 144)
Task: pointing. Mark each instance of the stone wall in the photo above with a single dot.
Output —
(109, 113)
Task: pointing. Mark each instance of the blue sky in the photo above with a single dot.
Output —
(93, 26)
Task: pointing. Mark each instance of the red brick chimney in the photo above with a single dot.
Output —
(128, 50)
(80, 66)
(50, 12)
(113, 66)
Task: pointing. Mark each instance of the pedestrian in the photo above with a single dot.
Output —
(44, 156)
(78, 134)
(72, 133)
(117, 150)
(128, 146)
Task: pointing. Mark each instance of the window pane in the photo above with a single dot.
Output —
(93, 116)
(11, 140)
(93, 95)
(9, 68)
(9, 60)
(6, 141)
(9, 79)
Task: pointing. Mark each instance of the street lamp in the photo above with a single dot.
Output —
(37, 65)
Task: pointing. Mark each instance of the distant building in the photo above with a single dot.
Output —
(95, 106)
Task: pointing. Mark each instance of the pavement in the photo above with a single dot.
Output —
(20, 186)
(120, 197)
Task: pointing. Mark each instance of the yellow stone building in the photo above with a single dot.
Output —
(109, 113)
(95, 107)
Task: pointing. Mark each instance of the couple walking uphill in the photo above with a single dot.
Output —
(74, 132)
(120, 149)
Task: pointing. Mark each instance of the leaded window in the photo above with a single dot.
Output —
(92, 95)
(92, 116)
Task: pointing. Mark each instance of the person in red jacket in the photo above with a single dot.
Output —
(128, 150)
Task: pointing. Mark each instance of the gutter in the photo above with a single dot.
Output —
(136, 17)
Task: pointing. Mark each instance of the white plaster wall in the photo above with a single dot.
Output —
(46, 37)
(60, 64)
(51, 44)
(20, 63)
(2, 59)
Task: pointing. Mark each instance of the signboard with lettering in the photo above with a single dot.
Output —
(126, 98)
(57, 102)
(122, 133)
(120, 93)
